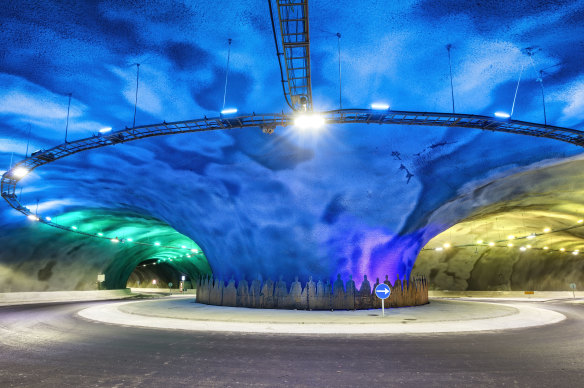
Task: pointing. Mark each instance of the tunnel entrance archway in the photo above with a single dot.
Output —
(154, 274)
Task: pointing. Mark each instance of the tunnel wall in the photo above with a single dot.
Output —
(253, 215)
(550, 196)
(53, 261)
(41, 258)
(499, 269)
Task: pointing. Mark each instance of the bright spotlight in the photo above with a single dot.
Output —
(562, 249)
(309, 121)
(510, 237)
(546, 230)
(510, 245)
(479, 241)
(115, 240)
(194, 250)
(100, 234)
(580, 221)
(531, 236)
(228, 111)
(446, 245)
(74, 227)
(48, 218)
(157, 244)
(491, 244)
(105, 130)
(32, 217)
(19, 172)
(502, 115)
(575, 253)
(439, 249)
(130, 239)
(522, 249)
(183, 246)
(380, 106)
(545, 248)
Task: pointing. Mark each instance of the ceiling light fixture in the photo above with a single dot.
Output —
(309, 121)
(380, 106)
(502, 115)
(19, 172)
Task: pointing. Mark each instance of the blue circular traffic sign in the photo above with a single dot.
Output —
(382, 291)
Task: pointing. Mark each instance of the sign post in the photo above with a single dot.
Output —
(382, 291)
(170, 288)
(100, 280)
(573, 287)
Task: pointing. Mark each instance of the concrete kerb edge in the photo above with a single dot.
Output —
(22, 298)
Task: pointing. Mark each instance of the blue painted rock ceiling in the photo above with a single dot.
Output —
(350, 199)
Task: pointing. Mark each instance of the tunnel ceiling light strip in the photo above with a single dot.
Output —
(75, 229)
(530, 236)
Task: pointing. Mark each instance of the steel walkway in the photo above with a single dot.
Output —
(268, 122)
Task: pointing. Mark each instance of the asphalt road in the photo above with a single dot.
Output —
(49, 346)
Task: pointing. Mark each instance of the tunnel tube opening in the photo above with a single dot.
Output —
(153, 274)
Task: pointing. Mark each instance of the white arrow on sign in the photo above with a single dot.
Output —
(384, 291)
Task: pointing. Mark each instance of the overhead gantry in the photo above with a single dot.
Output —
(345, 116)
(295, 39)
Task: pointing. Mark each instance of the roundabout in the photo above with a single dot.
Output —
(60, 344)
(439, 316)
